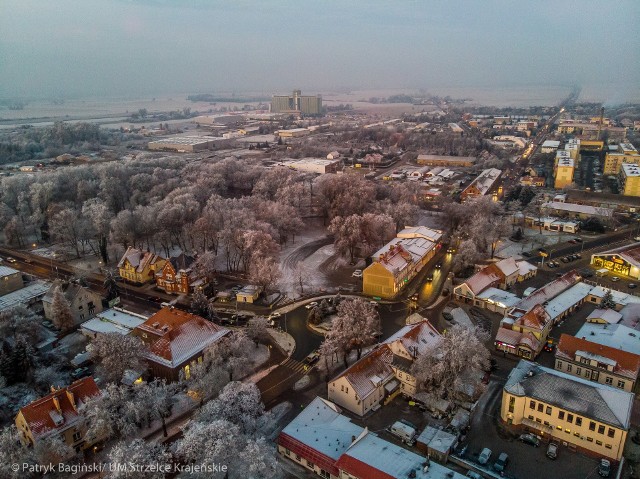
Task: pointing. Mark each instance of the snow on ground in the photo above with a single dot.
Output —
(284, 340)
(532, 240)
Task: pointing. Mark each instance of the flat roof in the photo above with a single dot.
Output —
(184, 140)
(630, 169)
(551, 144)
(576, 208)
(616, 336)
(114, 320)
(24, 295)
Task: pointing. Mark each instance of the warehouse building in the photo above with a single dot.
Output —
(184, 144)
(297, 104)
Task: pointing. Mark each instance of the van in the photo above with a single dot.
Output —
(602, 272)
(404, 432)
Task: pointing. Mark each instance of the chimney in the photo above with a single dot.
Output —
(353, 438)
(72, 400)
(56, 403)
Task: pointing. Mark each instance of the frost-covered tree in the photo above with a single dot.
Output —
(200, 304)
(257, 329)
(111, 285)
(116, 353)
(458, 356)
(205, 380)
(52, 450)
(258, 461)
(607, 301)
(264, 272)
(205, 265)
(61, 310)
(359, 321)
(231, 354)
(466, 256)
(12, 452)
(348, 233)
(301, 277)
(157, 398)
(138, 451)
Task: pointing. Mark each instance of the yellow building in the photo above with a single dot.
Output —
(624, 153)
(140, 267)
(395, 264)
(587, 416)
(573, 147)
(591, 145)
(564, 170)
(629, 179)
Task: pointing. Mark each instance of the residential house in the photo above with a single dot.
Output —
(83, 302)
(597, 362)
(525, 336)
(140, 267)
(248, 294)
(177, 276)
(486, 183)
(176, 340)
(383, 372)
(620, 299)
(397, 263)
(10, 280)
(587, 416)
(60, 414)
(114, 320)
(617, 336)
(604, 316)
(326, 442)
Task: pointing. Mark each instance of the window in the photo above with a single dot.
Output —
(540, 407)
(531, 417)
(578, 421)
(611, 432)
(600, 429)
(561, 415)
(559, 428)
(78, 435)
(578, 371)
(546, 423)
(599, 443)
(568, 431)
(298, 458)
(346, 390)
(512, 402)
(287, 452)
(548, 411)
(532, 404)
(569, 368)
(584, 361)
(621, 384)
(558, 364)
(608, 446)
(324, 474)
(592, 426)
(569, 418)
(342, 387)
(309, 464)
(589, 439)
(608, 380)
(576, 434)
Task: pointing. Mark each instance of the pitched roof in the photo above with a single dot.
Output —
(508, 266)
(607, 315)
(399, 253)
(369, 372)
(589, 399)
(69, 290)
(181, 262)
(138, 259)
(549, 291)
(43, 416)
(180, 335)
(624, 363)
(418, 338)
(485, 278)
(6, 271)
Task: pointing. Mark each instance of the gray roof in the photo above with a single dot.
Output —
(24, 295)
(593, 400)
(6, 271)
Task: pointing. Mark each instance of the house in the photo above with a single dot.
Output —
(30, 295)
(396, 263)
(604, 316)
(324, 441)
(489, 277)
(597, 362)
(248, 294)
(177, 276)
(436, 443)
(176, 340)
(60, 414)
(620, 299)
(334, 155)
(83, 302)
(114, 320)
(10, 280)
(616, 336)
(385, 371)
(140, 267)
(587, 416)
(486, 183)
(525, 336)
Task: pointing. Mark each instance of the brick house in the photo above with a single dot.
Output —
(177, 275)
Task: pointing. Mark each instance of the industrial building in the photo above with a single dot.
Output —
(184, 144)
(314, 165)
(438, 160)
(297, 104)
(564, 169)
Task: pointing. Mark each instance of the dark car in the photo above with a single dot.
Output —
(429, 279)
(530, 439)
(527, 254)
(632, 286)
(564, 259)
(586, 273)
(439, 265)
(501, 463)
(447, 316)
(80, 373)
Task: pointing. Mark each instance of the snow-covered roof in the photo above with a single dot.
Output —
(24, 295)
(618, 296)
(551, 144)
(501, 298)
(419, 338)
(114, 320)
(549, 291)
(138, 259)
(485, 180)
(322, 427)
(437, 439)
(508, 266)
(575, 208)
(612, 335)
(420, 232)
(567, 299)
(372, 457)
(6, 271)
(483, 279)
(525, 267)
(401, 252)
(461, 317)
(631, 315)
(366, 374)
(607, 315)
(586, 398)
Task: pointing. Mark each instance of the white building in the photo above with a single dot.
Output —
(114, 320)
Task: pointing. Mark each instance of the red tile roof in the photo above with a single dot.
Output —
(536, 318)
(375, 366)
(485, 278)
(627, 364)
(358, 468)
(40, 414)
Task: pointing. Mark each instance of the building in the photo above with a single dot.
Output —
(248, 294)
(588, 416)
(396, 263)
(629, 179)
(618, 336)
(30, 295)
(297, 104)
(184, 144)
(140, 267)
(573, 147)
(176, 340)
(383, 372)
(563, 170)
(83, 302)
(10, 280)
(526, 335)
(624, 261)
(114, 320)
(597, 362)
(577, 211)
(539, 181)
(620, 299)
(314, 165)
(293, 133)
(439, 160)
(334, 155)
(327, 443)
(178, 276)
(550, 146)
(591, 131)
(486, 183)
(622, 153)
(60, 414)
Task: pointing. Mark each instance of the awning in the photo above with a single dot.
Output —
(391, 386)
(537, 425)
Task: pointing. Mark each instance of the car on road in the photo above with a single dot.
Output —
(552, 451)
(312, 357)
(572, 241)
(556, 264)
(28, 260)
(451, 250)
(615, 279)
(578, 240)
(80, 373)
(632, 286)
(312, 304)
(438, 265)
(10, 259)
(530, 439)
(429, 279)
(357, 273)
(564, 259)
(501, 463)
(47, 324)
(414, 297)
(604, 468)
(273, 316)
(484, 456)
(526, 254)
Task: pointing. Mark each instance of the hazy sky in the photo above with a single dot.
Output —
(138, 47)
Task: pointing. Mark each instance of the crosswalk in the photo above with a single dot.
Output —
(296, 366)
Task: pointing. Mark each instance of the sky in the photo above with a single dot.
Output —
(128, 48)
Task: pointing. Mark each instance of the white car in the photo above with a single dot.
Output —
(273, 316)
(312, 304)
(357, 273)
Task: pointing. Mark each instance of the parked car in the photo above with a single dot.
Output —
(552, 451)
(526, 254)
(578, 255)
(530, 439)
(80, 373)
(47, 324)
(501, 463)
(484, 456)
(357, 273)
(615, 278)
(404, 432)
(564, 259)
(312, 304)
(10, 259)
(312, 358)
(551, 264)
(604, 468)
(586, 273)
(632, 286)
